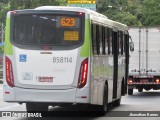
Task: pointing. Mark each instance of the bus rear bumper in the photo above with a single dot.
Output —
(22, 95)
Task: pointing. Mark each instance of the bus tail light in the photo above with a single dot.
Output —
(80, 13)
(9, 72)
(13, 12)
(83, 74)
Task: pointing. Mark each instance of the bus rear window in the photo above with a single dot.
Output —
(42, 29)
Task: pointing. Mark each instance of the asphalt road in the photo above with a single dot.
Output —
(139, 103)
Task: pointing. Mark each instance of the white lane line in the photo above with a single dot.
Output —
(3, 108)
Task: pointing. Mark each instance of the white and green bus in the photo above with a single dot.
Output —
(58, 55)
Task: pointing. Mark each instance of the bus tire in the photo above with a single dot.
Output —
(140, 89)
(103, 108)
(117, 102)
(30, 107)
(130, 91)
(35, 107)
(122, 88)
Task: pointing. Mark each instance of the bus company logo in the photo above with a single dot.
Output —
(6, 114)
(20, 114)
(23, 58)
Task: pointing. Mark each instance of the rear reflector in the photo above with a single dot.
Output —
(83, 74)
(9, 72)
(7, 92)
(83, 96)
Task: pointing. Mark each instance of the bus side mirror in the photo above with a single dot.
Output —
(131, 46)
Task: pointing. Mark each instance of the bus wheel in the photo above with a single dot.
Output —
(130, 91)
(35, 107)
(140, 89)
(103, 108)
(117, 102)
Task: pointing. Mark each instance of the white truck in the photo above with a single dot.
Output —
(144, 67)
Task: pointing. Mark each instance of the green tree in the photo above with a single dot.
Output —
(151, 12)
(124, 11)
(8, 5)
(130, 12)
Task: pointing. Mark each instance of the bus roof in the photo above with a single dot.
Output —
(68, 8)
(95, 16)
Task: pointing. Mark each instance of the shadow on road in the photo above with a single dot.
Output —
(143, 98)
(68, 113)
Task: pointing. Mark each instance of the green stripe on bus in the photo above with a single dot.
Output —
(8, 48)
(85, 49)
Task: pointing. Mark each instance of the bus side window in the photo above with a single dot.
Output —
(119, 42)
(109, 37)
(118, 45)
(100, 40)
(97, 39)
(107, 41)
(94, 37)
(122, 42)
(124, 36)
(103, 41)
(111, 40)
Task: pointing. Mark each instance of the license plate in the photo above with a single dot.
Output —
(45, 79)
(144, 80)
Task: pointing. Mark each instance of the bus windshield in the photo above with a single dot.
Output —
(46, 29)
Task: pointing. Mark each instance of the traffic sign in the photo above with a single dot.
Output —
(81, 1)
(88, 6)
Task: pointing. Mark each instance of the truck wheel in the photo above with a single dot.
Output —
(130, 91)
(103, 108)
(34, 107)
(140, 89)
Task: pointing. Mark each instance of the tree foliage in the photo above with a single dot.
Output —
(130, 12)
(8, 5)
(151, 12)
